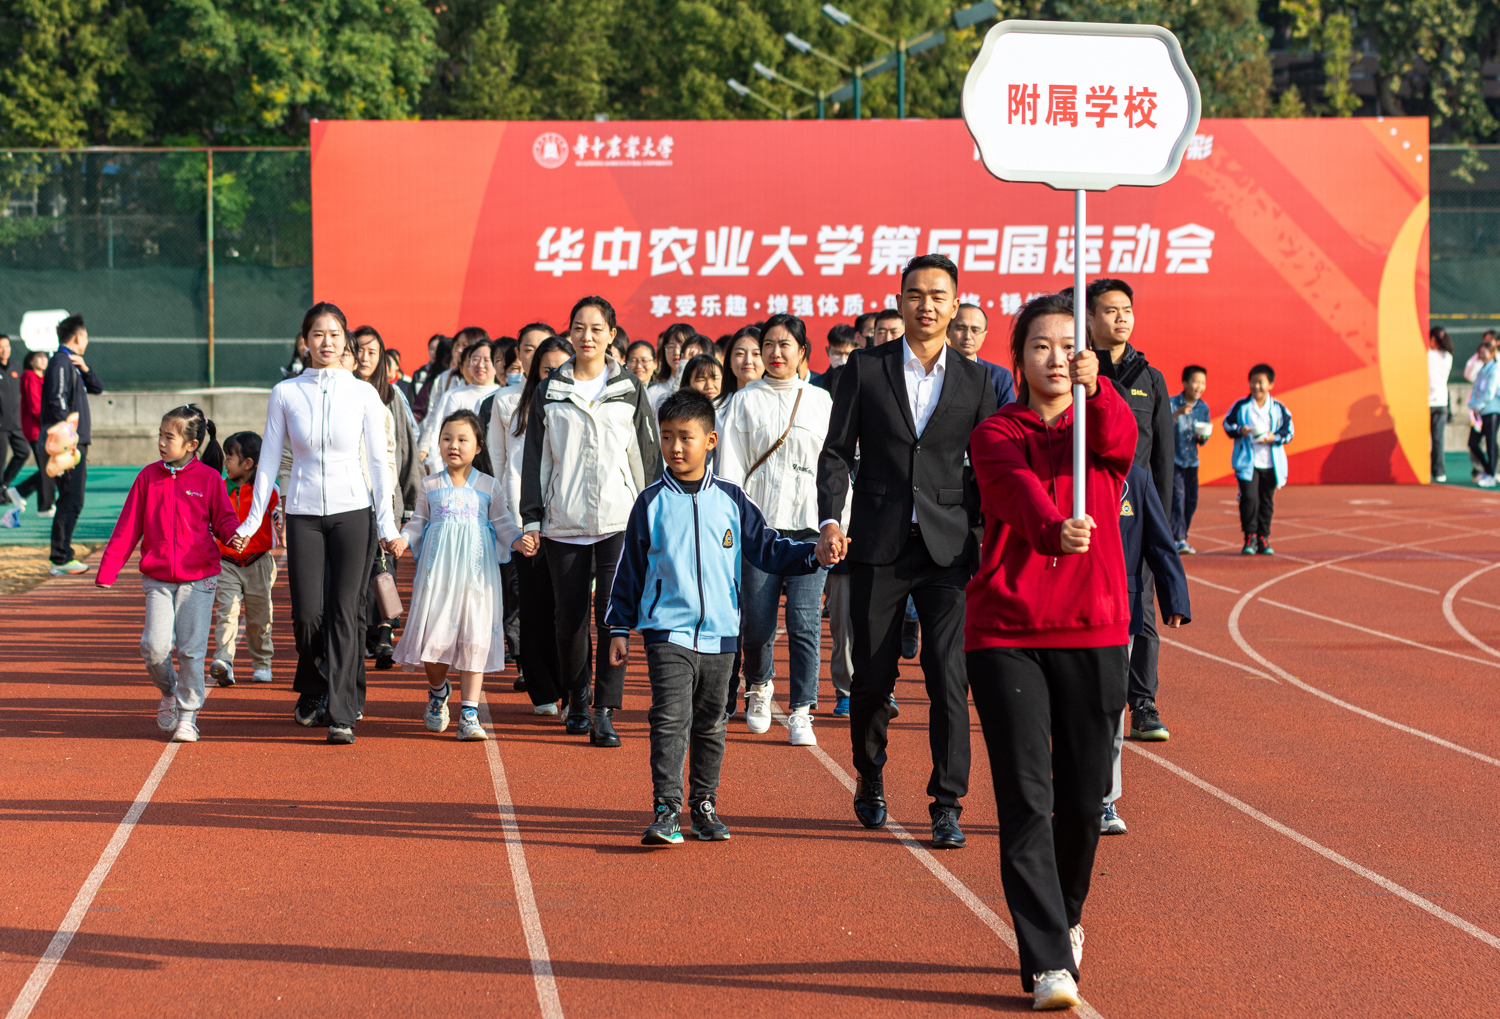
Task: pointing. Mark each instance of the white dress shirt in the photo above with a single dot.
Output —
(923, 388)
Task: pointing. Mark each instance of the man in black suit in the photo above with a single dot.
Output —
(909, 406)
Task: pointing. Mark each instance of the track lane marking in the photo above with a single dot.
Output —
(31, 993)
(531, 918)
(1210, 583)
(1386, 580)
(1382, 634)
(1424, 904)
(1452, 616)
(961, 891)
(1223, 661)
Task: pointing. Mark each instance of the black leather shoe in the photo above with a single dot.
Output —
(869, 803)
(578, 723)
(946, 833)
(520, 684)
(603, 734)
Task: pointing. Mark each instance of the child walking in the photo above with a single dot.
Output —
(1260, 427)
(460, 532)
(248, 576)
(175, 510)
(677, 584)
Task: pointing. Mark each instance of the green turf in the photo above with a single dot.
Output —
(102, 501)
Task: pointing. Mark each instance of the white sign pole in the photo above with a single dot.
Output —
(1080, 342)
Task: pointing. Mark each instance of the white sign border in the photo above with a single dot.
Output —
(1068, 180)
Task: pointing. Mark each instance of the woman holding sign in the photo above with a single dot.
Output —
(1045, 634)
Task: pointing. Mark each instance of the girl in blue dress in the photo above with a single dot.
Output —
(460, 534)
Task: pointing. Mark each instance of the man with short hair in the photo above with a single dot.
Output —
(65, 389)
(1111, 321)
(889, 327)
(909, 408)
(966, 335)
(864, 325)
(843, 340)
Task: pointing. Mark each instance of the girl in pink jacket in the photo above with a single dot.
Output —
(175, 509)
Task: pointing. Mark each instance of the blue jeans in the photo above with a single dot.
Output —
(759, 595)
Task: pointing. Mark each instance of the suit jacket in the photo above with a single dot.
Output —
(896, 468)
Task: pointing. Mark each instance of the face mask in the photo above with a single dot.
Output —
(837, 360)
(514, 378)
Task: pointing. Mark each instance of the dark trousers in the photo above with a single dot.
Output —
(1184, 501)
(19, 450)
(1482, 442)
(687, 721)
(573, 568)
(510, 615)
(70, 489)
(328, 565)
(41, 482)
(539, 621)
(1146, 648)
(877, 608)
(1048, 798)
(1257, 501)
(1439, 425)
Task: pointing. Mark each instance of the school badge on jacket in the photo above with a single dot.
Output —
(728, 538)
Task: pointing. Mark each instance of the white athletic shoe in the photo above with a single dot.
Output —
(166, 713)
(799, 728)
(758, 712)
(15, 499)
(48, 514)
(1075, 936)
(469, 729)
(544, 709)
(221, 672)
(187, 728)
(436, 715)
(1053, 989)
(1485, 481)
(260, 676)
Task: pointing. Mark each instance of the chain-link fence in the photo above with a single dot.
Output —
(130, 240)
(1465, 245)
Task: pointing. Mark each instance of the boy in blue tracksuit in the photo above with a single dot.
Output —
(1147, 539)
(1260, 427)
(678, 585)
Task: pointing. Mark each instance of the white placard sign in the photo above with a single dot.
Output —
(1081, 106)
(39, 329)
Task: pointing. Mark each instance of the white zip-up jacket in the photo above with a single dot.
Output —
(786, 485)
(507, 449)
(586, 462)
(322, 415)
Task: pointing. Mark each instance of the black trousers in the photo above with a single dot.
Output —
(538, 618)
(329, 560)
(1439, 424)
(1184, 501)
(70, 489)
(574, 568)
(1257, 501)
(1049, 798)
(41, 482)
(510, 616)
(1485, 454)
(877, 608)
(1146, 649)
(13, 442)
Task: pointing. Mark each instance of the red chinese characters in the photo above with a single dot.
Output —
(1062, 105)
(1100, 104)
(1022, 104)
(1139, 105)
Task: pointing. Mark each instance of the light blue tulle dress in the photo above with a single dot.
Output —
(459, 535)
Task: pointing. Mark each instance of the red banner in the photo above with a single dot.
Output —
(1299, 243)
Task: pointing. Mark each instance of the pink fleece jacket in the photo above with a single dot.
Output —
(178, 513)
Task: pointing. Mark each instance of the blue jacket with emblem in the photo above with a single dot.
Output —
(678, 579)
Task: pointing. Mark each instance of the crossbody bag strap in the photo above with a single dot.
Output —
(767, 454)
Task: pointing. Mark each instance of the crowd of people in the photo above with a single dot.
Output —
(563, 495)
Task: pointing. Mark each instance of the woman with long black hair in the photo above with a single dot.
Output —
(323, 415)
(591, 447)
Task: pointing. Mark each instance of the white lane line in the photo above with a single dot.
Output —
(1223, 661)
(37, 983)
(1209, 583)
(1452, 616)
(1384, 580)
(961, 891)
(1383, 634)
(520, 876)
(1323, 851)
(1481, 604)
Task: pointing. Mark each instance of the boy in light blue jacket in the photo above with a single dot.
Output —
(678, 586)
(1260, 426)
(1484, 403)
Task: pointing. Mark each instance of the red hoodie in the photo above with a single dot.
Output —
(1027, 593)
(177, 513)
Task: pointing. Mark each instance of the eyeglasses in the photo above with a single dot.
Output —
(640, 362)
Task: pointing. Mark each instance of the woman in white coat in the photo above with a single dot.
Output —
(479, 372)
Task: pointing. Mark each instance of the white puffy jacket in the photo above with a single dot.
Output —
(785, 487)
(586, 462)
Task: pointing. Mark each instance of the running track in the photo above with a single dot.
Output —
(1318, 838)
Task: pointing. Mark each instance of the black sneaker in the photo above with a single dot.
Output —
(520, 684)
(664, 831)
(1249, 548)
(309, 709)
(1263, 546)
(706, 824)
(1145, 724)
(341, 734)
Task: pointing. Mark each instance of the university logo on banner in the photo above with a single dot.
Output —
(550, 150)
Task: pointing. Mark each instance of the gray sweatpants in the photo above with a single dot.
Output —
(180, 614)
(688, 690)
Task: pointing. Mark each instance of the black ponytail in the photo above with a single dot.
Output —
(198, 428)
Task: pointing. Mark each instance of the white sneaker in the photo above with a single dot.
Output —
(15, 499)
(544, 709)
(1075, 936)
(1053, 989)
(47, 514)
(799, 728)
(187, 729)
(260, 676)
(221, 672)
(1486, 481)
(166, 713)
(758, 714)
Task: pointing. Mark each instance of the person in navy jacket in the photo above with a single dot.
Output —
(677, 584)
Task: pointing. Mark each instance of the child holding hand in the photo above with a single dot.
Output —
(460, 532)
(175, 509)
(249, 574)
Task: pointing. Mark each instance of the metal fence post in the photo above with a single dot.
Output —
(210, 210)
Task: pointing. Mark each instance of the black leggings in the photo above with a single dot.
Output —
(573, 567)
(329, 561)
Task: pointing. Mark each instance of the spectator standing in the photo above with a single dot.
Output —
(1191, 427)
(65, 390)
(14, 449)
(966, 334)
(1484, 403)
(1484, 352)
(1439, 367)
(31, 426)
(1261, 427)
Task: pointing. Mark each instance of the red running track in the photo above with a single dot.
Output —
(1317, 838)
